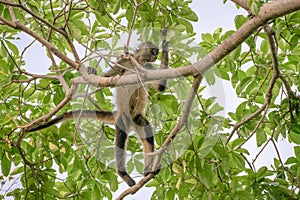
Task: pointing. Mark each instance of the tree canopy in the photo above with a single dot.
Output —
(202, 148)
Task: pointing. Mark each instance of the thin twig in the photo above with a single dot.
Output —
(255, 128)
(273, 48)
(133, 22)
(262, 149)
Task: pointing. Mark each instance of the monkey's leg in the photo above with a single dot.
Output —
(120, 151)
(144, 130)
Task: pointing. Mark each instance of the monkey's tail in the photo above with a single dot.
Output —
(104, 116)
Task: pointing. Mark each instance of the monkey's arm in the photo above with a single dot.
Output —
(161, 85)
(119, 68)
(164, 65)
(103, 116)
(110, 72)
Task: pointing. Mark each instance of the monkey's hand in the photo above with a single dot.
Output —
(91, 70)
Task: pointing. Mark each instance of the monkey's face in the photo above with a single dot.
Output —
(153, 54)
(147, 53)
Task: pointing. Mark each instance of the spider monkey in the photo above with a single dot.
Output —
(131, 104)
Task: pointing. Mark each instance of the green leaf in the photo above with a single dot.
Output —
(215, 109)
(217, 33)
(47, 98)
(103, 20)
(48, 188)
(237, 142)
(262, 172)
(244, 82)
(234, 79)
(138, 165)
(261, 138)
(116, 7)
(70, 183)
(292, 160)
(170, 194)
(264, 47)
(240, 111)
(294, 137)
(206, 175)
(106, 192)
(207, 37)
(75, 30)
(187, 25)
(5, 164)
(153, 183)
(235, 54)
(188, 14)
(239, 21)
(17, 170)
(179, 27)
(12, 47)
(210, 77)
(296, 128)
(59, 95)
(255, 5)
(223, 73)
(129, 13)
(242, 150)
(96, 194)
(243, 195)
(238, 160)
(297, 152)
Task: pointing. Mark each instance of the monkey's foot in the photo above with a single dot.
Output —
(125, 176)
(148, 170)
(91, 70)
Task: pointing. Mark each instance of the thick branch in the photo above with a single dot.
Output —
(268, 11)
(242, 3)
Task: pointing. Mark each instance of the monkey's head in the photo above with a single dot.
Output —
(147, 52)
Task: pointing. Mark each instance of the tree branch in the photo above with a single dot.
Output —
(69, 93)
(137, 5)
(243, 4)
(273, 48)
(33, 15)
(268, 11)
(18, 25)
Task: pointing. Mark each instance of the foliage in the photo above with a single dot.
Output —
(75, 161)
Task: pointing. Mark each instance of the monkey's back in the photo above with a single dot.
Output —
(132, 99)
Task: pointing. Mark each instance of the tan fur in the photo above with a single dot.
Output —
(131, 105)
